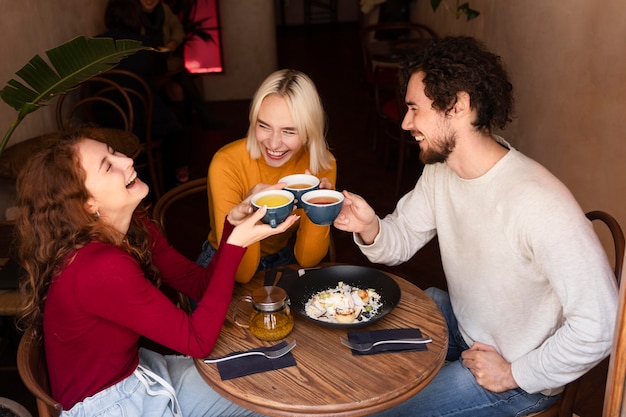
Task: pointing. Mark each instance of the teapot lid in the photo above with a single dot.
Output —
(269, 298)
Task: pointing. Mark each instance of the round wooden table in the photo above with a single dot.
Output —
(328, 380)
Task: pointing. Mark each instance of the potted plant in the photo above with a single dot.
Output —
(70, 64)
(460, 9)
(186, 11)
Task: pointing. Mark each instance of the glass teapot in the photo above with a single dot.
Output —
(270, 318)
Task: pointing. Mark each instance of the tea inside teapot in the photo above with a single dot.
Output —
(271, 317)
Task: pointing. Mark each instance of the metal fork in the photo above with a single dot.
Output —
(271, 354)
(364, 347)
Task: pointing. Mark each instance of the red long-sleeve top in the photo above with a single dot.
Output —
(101, 303)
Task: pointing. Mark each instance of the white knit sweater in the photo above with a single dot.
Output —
(526, 272)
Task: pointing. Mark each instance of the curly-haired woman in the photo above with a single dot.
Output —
(93, 265)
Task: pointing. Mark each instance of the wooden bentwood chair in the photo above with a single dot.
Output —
(123, 101)
(151, 155)
(616, 377)
(183, 214)
(32, 367)
(564, 407)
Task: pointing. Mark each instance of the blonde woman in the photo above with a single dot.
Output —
(286, 136)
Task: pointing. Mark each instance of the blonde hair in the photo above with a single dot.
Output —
(306, 110)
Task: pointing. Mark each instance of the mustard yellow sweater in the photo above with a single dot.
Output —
(232, 174)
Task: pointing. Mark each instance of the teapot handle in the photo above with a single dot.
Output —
(247, 299)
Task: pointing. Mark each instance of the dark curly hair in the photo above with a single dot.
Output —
(461, 63)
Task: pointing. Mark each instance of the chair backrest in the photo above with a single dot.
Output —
(141, 94)
(32, 367)
(614, 392)
(619, 244)
(564, 407)
(616, 376)
(122, 100)
(139, 91)
(81, 111)
(183, 214)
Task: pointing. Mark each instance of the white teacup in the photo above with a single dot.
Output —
(298, 184)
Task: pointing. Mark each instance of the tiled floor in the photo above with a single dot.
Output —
(331, 56)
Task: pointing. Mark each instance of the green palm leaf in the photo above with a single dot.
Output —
(71, 64)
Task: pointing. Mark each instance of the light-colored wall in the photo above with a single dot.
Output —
(567, 64)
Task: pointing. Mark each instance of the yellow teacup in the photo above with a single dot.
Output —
(272, 200)
(279, 205)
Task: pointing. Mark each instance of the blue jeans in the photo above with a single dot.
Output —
(454, 391)
(162, 386)
(284, 256)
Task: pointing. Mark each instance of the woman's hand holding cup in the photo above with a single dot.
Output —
(250, 230)
(242, 210)
(325, 183)
(278, 204)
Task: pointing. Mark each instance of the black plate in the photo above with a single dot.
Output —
(314, 281)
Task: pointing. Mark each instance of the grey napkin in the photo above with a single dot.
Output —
(249, 365)
(387, 334)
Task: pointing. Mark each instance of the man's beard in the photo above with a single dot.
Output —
(441, 153)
